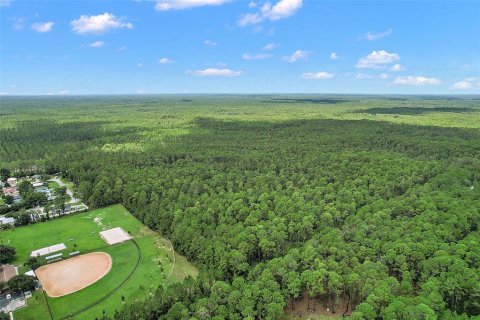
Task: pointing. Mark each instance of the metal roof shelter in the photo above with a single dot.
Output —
(48, 250)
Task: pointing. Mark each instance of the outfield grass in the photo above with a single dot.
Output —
(82, 229)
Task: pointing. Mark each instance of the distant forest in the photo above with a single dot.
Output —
(371, 202)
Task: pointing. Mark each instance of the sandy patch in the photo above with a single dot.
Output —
(71, 275)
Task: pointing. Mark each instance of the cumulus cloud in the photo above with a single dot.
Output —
(317, 75)
(297, 55)
(252, 4)
(97, 44)
(257, 56)
(43, 26)
(99, 24)
(364, 76)
(210, 43)
(375, 36)
(280, 10)
(269, 46)
(416, 81)
(466, 84)
(462, 85)
(377, 60)
(209, 72)
(165, 60)
(165, 5)
(333, 56)
(64, 92)
(397, 67)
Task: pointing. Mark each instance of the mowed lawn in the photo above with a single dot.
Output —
(82, 229)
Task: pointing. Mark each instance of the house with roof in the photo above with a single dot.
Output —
(7, 272)
(12, 182)
(11, 191)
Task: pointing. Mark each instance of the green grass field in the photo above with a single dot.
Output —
(68, 183)
(53, 185)
(82, 230)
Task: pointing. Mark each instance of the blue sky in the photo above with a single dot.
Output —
(221, 46)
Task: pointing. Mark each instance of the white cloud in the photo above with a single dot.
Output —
(64, 92)
(333, 56)
(3, 93)
(99, 24)
(280, 10)
(257, 56)
(140, 65)
(217, 73)
(97, 44)
(364, 76)
(416, 81)
(123, 48)
(375, 36)
(297, 55)
(250, 18)
(5, 3)
(165, 61)
(397, 67)
(465, 84)
(317, 75)
(210, 43)
(140, 91)
(43, 27)
(165, 5)
(252, 4)
(377, 60)
(462, 85)
(269, 46)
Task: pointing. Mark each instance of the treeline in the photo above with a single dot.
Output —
(384, 216)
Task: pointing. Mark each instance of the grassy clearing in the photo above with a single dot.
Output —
(68, 183)
(53, 185)
(82, 229)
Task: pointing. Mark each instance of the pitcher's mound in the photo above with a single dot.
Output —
(71, 275)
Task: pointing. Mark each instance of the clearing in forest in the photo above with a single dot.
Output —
(136, 268)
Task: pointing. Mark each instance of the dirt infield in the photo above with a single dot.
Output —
(71, 275)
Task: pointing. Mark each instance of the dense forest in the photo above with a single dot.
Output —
(370, 202)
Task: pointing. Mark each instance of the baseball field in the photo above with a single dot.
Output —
(102, 277)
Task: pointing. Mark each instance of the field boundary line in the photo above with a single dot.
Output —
(94, 304)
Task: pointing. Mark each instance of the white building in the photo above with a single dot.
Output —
(5, 220)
